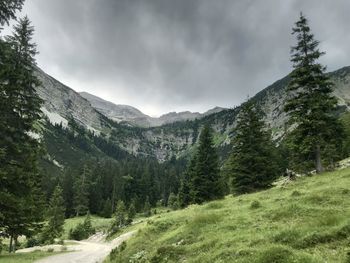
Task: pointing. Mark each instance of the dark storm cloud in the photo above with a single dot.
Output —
(162, 55)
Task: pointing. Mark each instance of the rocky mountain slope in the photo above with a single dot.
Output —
(172, 139)
(130, 115)
(62, 104)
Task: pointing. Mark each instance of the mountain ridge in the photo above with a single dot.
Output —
(177, 138)
(130, 115)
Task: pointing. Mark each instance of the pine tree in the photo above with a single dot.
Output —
(107, 209)
(310, 105)
(185, 187)
(173, 201)
(147, 208)
(120, 217)
(81, 199)
(8, 10)
(54, 228)
(206, 181)
(20, 195)
(131, 212)
(252, 163)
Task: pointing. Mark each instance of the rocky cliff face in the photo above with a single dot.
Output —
(170, 136)
(62, 104)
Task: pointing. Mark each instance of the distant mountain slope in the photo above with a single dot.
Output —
(130, 115)
(174, 137)
(61, 104)
(118, 113)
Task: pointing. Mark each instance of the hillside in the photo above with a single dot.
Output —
(306, 220)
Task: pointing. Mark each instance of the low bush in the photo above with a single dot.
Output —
(82, 230)
(255, 204)
(32, 242)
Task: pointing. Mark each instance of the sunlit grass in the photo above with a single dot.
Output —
(305, 221)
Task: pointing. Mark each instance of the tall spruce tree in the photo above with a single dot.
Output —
(8, 10)
(20, 195)
(81, 197)
(56, 215)
(185, 197)
(206, 183)
(310, 104)
(252, 161)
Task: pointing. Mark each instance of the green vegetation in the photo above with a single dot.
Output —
(306, 220)
(20, 194)
(24, 257)
(97, 223)
(316, 139)
(253, 161)
(54, 228)
(202, 180)
(83, 230)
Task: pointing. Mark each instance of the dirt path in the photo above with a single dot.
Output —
(93, 250)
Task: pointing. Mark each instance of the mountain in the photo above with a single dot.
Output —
(130, 115)
(62, 104)
(117, 112)
(174, 137)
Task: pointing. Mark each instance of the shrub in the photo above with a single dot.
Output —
(296, 193)
(32, 242)
(255, 204)
(82, 230)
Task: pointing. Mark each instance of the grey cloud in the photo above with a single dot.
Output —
(183, 54)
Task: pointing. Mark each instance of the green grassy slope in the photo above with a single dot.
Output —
(307, 220)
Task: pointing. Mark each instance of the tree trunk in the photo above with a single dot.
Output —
(319, 168)
(10, 247)
(14, 244)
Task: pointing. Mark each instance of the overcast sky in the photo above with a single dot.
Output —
(175, 55)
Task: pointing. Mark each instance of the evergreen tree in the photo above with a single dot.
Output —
(107, 209)
(310, 105)
(68, 193)
(87, 225)
(20, 195)
(206, 181)
(173, 201)
(252, 162)
(81, 199)
(120, 217)
(54, 228)
(147, 208)
(131, 212)
(185, 187)
(8, 10)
